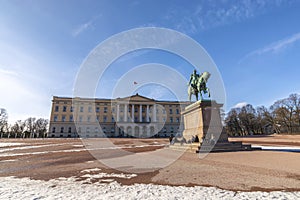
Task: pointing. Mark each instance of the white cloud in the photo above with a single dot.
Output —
(210, 14)
(240, 105)
(8, 72)
(278, 45)
(19, 98)
(158, 92)
(26, 82)
(274, 47)
(83, 27)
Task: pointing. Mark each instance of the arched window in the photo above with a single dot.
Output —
(53, 129)
(70, 129)
(62, 129)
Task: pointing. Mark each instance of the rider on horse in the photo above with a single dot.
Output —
(194, 79)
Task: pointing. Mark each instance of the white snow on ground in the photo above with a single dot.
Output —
(106, 175)
(91, 170)
(277, 147)
(78, 145)
(9, 144)
(11, 160)
(69, 188)
(30, 146)
(62, 151)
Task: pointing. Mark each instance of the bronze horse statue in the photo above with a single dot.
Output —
(200, 86)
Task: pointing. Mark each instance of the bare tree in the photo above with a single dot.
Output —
(3, 121)
(30, 126)
(18, 128)
(248, 119)
(41, 127)
(233, 126)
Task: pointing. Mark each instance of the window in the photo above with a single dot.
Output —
(56, 108)
(89, 118)
(63, 118)
(79, 130)
(165, 130)
(105, 109)
(81, 108)
(164, 111)
(113, 110)
(62, 129)
(64, 108)
(70, 129)
(177, 111)
(98, 109)
(172, 129)
(71, 118)
(104, 129)
(90, 109)
(164, 119)
(136, 109)
(143, 119)
(88, 129)
(177, 119)
(104, 118)
(80, 118)
(71, 109)
(171, 111)
(53, 129)
(121, 119)
(112, 119)
(112, 130)
(143, 109)
(171, 119)
(97, 118)
(55, 118)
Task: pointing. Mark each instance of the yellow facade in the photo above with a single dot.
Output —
(134, 116)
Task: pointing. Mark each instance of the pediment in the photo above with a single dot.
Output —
(136, 98)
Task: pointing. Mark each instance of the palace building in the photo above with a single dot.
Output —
(134, 116)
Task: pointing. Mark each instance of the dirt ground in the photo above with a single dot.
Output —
(154, 162)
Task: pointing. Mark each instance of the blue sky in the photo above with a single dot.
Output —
(255, 45)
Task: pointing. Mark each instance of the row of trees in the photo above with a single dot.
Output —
(282, 117)
(29, 128)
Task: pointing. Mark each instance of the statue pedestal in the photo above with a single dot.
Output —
(203, 129)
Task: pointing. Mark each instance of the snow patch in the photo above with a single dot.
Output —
(90, 170)
(69, 188)
(106, 175)
(10, 144)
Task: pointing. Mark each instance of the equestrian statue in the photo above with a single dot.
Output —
(197, 84)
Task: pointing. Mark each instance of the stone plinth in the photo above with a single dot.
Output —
(203, 126)
(202, 118)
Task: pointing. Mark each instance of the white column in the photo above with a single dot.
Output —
(154, 113)
(126, 111)
(118, 115)
(147, 113)
(140, 113)
(132, 112)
